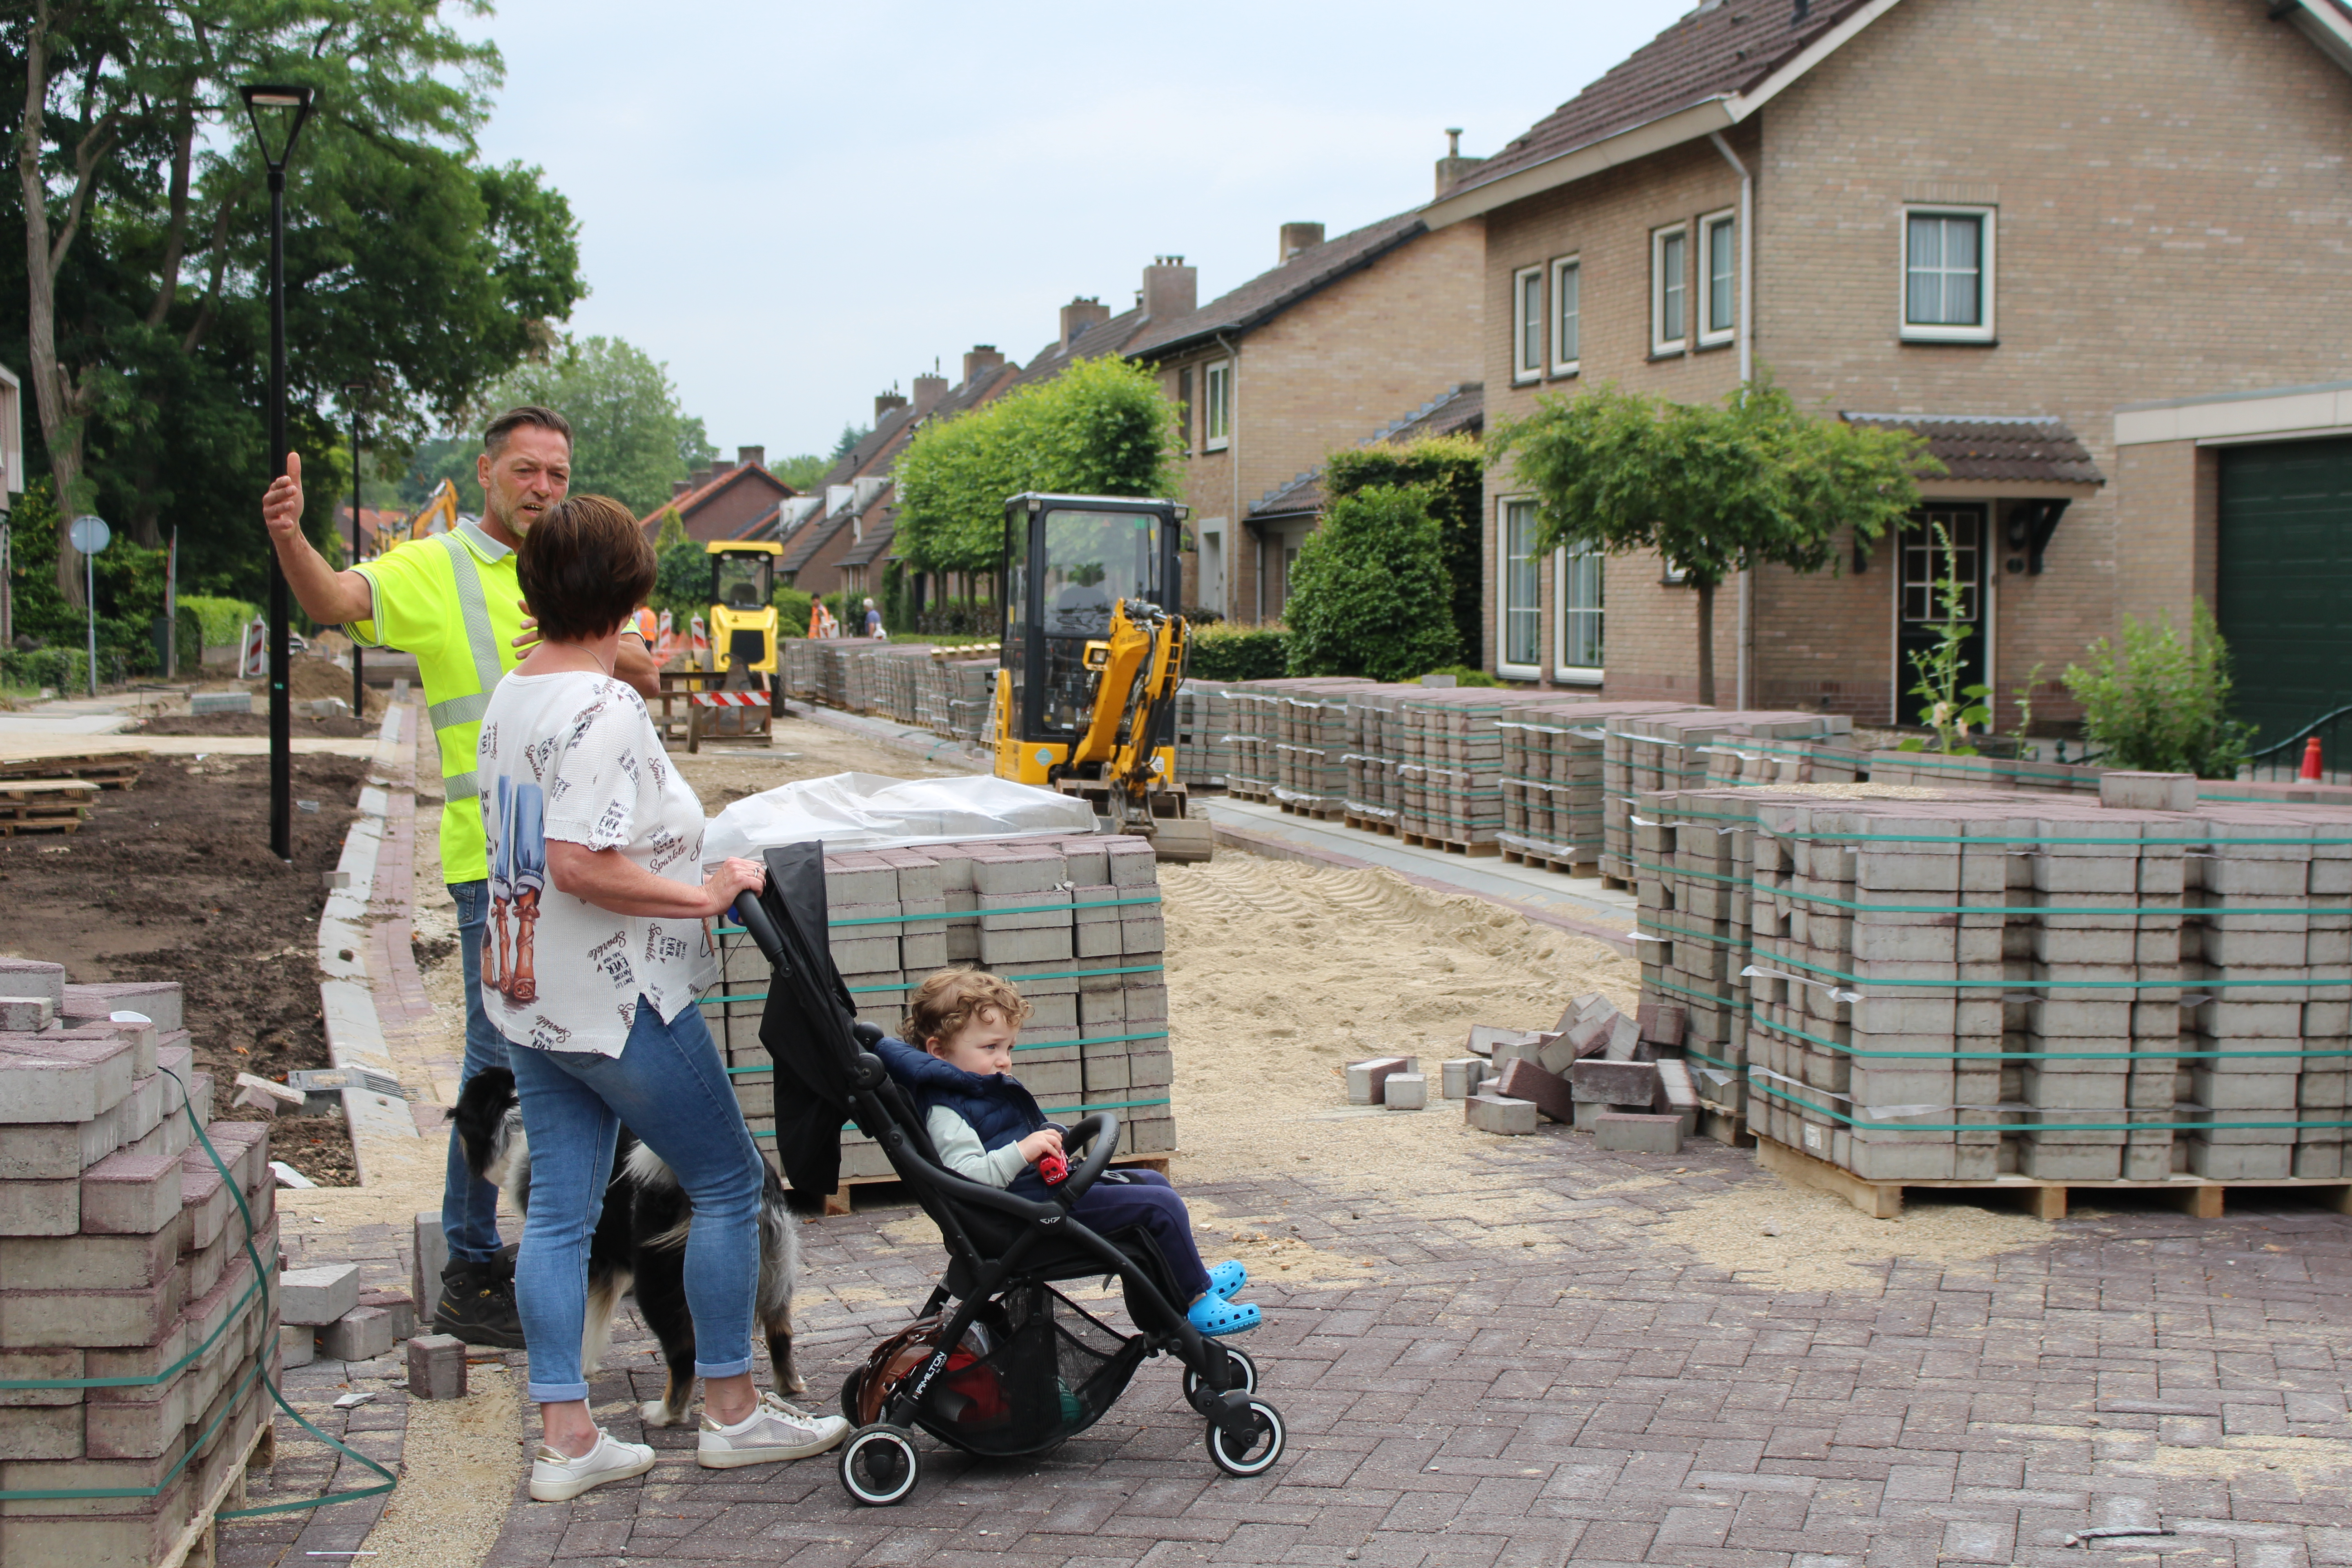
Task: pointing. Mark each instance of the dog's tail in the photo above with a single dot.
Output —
(481, 1115)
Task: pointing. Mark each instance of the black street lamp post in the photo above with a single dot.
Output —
(353, 389)
(289, 107)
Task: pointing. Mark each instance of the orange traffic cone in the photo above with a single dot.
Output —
(2311, 759)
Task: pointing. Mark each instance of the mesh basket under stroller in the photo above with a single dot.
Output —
(998, 1363)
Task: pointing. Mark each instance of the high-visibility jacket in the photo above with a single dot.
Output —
(451, 600)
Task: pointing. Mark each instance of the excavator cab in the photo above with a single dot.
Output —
(742, 612)
(1092, 654)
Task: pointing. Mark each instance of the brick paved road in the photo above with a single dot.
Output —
(1612, 1400)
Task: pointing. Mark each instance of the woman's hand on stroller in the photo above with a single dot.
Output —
(1044, 1141)
(733, 877)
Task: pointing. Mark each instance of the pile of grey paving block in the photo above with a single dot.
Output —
(1204, 724)
(1616, 1076)
(1075, 923)
(1672, 751)
(121, 1252)
(1551, 780)
(1996, 983)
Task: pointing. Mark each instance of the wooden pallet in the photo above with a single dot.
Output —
(1313, 813)
(107, 770)
(199, 1544)
(44, 806)
(2200, 1198)
(1546, 863)
(1451, 845)
(1362, 823)
(837, 1201)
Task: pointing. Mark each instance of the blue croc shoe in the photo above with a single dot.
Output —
(1227, 1278)
(1214, 1315)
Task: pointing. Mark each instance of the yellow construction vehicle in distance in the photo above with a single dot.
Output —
(1093, 652)
(742, 651)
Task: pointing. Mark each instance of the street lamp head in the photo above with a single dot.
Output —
(286, 107)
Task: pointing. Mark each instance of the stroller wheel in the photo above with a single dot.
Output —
(880, 1465)
(1249, 1374)
(849, 1396)
(1264, 1448)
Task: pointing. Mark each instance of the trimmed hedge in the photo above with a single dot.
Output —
(1239, 653)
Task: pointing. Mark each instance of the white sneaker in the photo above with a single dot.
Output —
(775, 1430)
(554, 1478)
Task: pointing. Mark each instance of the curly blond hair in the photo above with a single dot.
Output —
(948, 999)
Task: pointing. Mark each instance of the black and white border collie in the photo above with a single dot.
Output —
(639, 1242)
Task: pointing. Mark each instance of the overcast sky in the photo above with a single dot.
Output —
(796, 206)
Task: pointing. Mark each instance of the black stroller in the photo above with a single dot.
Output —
(1015, 1367)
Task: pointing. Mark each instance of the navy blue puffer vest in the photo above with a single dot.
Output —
(998, 1108)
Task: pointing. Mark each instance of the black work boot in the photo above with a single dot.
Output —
(478, 1305)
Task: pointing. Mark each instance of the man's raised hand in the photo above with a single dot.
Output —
(281, 504)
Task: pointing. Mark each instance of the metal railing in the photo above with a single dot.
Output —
(2283, 759)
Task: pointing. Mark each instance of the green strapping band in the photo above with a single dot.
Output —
(261, 1279)
(1758, 1021)
(2202, 911)
(2188, 982)
(1768, 1090)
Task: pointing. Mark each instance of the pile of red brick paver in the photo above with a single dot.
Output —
(122, 1256)
(1602, 1398)
(1075, 923)
(1983, 984)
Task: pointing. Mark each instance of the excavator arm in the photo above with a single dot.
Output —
(1137, 670)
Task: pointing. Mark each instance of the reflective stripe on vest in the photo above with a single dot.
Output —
(482, 642)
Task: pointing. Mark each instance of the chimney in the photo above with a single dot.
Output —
(884, 401)
(679, 487)
(722, 466)
(751, 457)
(1454, 166)
(1171, 288)
(1296, 237)
(928, 389)
(982, 359)
(701, 476)
(1079, 314)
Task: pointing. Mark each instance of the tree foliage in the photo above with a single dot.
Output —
(138, 232)
(1101, 427)
(2161, 703)
(1716, 489)
(681, 571)
(630, 439)
(1370, 595)
(1451, 471)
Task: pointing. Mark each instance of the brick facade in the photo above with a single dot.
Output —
(1326, 371)
(2173, 213)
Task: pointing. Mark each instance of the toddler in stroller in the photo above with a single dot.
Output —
(987, 1128)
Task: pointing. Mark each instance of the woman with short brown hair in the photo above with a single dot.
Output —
(599, 843)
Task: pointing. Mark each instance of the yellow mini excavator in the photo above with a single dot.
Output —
(1092, 656)
(743, 613)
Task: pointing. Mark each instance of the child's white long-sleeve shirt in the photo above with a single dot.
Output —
(960, 1151)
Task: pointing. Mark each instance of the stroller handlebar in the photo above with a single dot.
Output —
(755, 921)
(1102, 1126)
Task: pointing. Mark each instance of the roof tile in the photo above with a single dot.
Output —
(2031, 449)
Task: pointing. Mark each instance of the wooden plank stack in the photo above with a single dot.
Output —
(44, 806)
(122, 1255)
(106, 769)
(1075, 923)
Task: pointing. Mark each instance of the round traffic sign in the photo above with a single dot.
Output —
(89, 534)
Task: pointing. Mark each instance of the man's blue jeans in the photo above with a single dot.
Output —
(470, 1207)
(670, 1089)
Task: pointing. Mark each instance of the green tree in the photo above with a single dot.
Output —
(412, 268)
(1451, 470)
(2161, 703)
(1370, 595)
(629, 438)
(851, 434)
(1101, 427)
(802, 472)
(1715, 490)
(682, 571)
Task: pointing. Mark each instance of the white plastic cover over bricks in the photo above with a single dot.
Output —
(871, 810)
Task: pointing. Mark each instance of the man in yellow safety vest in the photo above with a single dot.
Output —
(451, 600)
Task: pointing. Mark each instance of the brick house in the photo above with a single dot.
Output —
(726, 499)
(2094, 250)
(1342, 338)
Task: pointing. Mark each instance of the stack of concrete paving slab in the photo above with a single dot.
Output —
(1427, 762)
(1551, 781)
(122, 1255)
(1935, 769)
(1671, 751)
(954, 696)
(1288, 739)
(1989, 983)
(881, 679)
(1204, 722)
(1075, 923)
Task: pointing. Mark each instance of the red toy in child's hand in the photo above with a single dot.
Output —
(1054, 1169)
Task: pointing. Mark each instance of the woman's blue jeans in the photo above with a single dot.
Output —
(669, 1088)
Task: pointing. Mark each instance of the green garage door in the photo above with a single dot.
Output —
(2286, 581)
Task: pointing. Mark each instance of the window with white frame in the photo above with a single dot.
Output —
(1519, 612)
(1718, 259)
(1526, 323)
(1567, 329)
(1947, 274)
(1670, 290)
(1217, 404)
(1579, 575)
